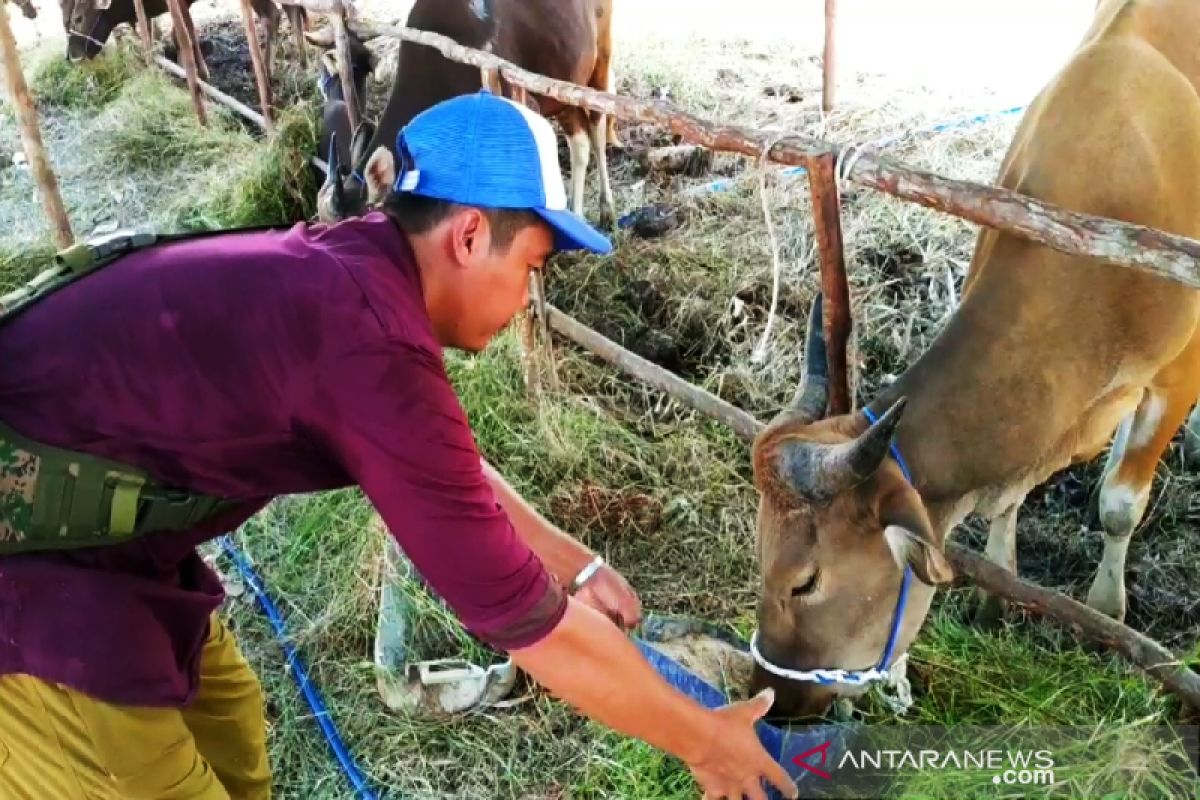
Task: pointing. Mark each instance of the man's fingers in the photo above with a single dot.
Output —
(753, 790)
(761, 703)
(778, 776)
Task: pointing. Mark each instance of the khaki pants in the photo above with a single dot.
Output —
(57, 743)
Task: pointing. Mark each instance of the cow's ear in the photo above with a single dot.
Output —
(380, 173)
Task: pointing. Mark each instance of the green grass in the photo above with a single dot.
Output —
(57, 83)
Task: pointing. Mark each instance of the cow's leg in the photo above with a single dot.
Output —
(1191, 439)
(1001, 549)
(598, 127)
(575, 124)
(1139, 444)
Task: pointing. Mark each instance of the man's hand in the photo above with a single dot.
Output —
(591, 664)
(609, 593)
(735, 762)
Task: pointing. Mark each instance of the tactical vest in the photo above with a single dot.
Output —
(56, 499)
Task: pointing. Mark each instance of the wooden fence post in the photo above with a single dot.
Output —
(31, 136)
(260, 66)
(143, 27)
(829, 60)
(827, 220)
(341, 41)
(187, 55)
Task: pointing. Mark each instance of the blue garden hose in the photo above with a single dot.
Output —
(361, 787)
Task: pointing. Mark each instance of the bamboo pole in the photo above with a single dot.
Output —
(829, 59)
(1112, 241)
(345, 68)
(214, 93)
(31, 135)
(694, 397)
(260, 66)
(827, 221)
(187, 55)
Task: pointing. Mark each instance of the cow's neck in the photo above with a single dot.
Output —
(966, 399)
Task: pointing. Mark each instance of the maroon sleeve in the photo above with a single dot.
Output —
(389, 415)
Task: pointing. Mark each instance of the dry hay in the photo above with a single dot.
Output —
(718, 663)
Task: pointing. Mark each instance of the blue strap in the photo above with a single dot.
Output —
(872, 418)
(897, 618)
(902, 600)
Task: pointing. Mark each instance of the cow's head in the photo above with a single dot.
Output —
(347, 190)
(363, 64)
(88, 24)
(837, 525)
(344, 192)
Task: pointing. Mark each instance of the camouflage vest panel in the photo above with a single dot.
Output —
(57, 499)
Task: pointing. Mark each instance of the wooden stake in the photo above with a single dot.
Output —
(345, 68)
(829, 62)
(143, 27)
(31, 136)
(183, 40)
(260, 65)
(827, 220)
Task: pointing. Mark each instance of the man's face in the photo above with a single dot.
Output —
(492, 283)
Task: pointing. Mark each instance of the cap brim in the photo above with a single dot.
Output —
(572, 232)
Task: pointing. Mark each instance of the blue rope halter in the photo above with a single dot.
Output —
(854, 677)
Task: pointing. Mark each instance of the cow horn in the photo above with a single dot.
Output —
(818, 472)
(332, 188)
(862, 457)
(812, 395)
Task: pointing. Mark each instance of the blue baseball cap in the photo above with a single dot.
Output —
(487, 151)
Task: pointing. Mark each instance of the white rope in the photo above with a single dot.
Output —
(853, 677)
(760, 350)
(846, 160)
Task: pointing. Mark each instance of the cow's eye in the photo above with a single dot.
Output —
(808, 587)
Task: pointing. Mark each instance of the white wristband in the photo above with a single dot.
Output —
(586, 573)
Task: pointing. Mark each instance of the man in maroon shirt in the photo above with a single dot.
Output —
(255, 364)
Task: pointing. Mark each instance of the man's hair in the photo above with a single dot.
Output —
(416, 214)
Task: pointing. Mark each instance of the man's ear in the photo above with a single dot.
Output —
(380, 174)
(471, 235)
(910, 537)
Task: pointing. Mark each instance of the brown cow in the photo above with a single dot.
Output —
(1047, 356)
(569, 40)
